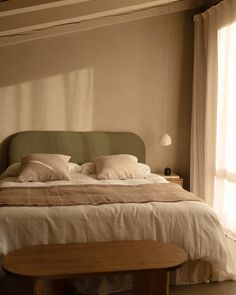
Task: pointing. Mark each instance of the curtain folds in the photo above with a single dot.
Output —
(213, 137)
(205, 80)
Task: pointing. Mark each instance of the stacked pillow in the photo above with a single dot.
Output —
(13, 169)
(118, 167)
(43, 167)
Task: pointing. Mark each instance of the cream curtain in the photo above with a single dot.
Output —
(213, 142)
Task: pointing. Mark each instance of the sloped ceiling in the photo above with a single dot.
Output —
(53, 17)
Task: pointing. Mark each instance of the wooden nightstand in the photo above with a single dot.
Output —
(174, 178)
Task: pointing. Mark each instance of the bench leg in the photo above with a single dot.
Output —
(151, 282)
(48, 287)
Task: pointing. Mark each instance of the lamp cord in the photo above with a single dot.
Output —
(167, 67)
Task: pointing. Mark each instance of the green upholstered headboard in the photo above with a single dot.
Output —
(81, 146)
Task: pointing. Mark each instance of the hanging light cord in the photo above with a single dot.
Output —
(167, 67)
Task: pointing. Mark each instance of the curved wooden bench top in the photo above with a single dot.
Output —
(70, 260)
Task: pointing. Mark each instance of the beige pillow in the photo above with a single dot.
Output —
(11, 170)
(43, 167)
(118, 167)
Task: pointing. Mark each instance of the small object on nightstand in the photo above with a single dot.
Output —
(167, 171)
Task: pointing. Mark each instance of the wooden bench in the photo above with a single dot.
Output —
(149, 261)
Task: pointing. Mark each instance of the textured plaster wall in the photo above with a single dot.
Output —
(110, 79)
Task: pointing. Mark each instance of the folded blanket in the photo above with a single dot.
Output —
(92, 194)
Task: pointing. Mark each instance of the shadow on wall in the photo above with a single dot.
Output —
(63, 102)
(52, 102)
(34, 60)
(184, 107)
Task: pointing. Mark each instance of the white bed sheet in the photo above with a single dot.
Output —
(191, 225)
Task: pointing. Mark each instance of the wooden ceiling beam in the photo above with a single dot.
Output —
(84, 16)
(17, 7)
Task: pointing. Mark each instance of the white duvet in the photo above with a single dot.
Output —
(191, 225)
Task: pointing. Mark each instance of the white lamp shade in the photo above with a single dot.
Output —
(165, 139)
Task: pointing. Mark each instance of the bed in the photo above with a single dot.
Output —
(190, 224)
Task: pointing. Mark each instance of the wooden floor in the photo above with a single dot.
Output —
(223, 288)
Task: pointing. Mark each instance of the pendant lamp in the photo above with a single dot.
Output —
(165, 138)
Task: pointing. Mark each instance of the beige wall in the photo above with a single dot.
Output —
(110, 79)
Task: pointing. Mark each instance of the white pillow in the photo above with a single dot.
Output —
(73, 168)
(88, 168)
(11, 170)
(144, 168)
(118, 167)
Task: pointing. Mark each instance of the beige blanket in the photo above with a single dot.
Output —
(64, 195)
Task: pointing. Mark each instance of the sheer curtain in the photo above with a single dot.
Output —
(213, 143)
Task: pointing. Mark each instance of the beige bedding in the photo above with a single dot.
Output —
(191, 225)
(93, 194)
